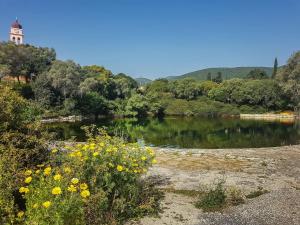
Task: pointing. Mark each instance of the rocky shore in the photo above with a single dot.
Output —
(276, 170)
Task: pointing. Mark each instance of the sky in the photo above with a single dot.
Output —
(158, 38)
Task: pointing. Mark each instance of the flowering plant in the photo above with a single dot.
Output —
(93, 182)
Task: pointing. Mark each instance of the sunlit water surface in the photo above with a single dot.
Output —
(191, 132)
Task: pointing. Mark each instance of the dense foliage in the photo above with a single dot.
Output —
(289, 78)
(66, 88)
(94, 183)
(22, 144)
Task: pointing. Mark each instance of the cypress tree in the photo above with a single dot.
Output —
(208, 76)
(275, 68)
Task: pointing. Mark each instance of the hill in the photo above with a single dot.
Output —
(227, 73)
(142, 81)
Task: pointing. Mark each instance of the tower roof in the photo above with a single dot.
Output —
(16, 24)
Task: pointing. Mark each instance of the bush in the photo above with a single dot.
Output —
(213, 200)
(94, 183)
(22, 144)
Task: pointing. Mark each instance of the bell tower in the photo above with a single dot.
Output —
(16, 33)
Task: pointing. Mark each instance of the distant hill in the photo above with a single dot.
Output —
(227, 73)
(142, 81)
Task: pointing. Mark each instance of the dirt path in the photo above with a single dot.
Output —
(274, 169)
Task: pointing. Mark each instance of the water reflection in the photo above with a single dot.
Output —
(191, 132)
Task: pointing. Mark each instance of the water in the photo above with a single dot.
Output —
(192, 132)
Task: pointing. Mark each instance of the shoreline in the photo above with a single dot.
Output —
(274, 169)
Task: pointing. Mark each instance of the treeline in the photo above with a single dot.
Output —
(65, 88)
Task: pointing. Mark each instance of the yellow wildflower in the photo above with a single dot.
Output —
(120, 168)
(154, 161)
(28, 172)
(150, 151)
(37, 172)
(57, 177)
(20, 214)
(78, 154)
(144, 158)
(72, 154)
(46, 204)
(95, 154)
(85, 193)
(47, 171)
(54, 150)
(83, 186)
(85, 147)
(75, 180)
(23, 190)
(67, 169)
(35, 206)
(28, 180)
(72, 188)
(56, 191)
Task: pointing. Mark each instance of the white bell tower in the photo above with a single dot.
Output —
(16, 33)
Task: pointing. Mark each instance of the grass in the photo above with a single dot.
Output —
(189, 193)
(260, 191)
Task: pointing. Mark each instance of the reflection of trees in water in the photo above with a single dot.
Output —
(195, 132)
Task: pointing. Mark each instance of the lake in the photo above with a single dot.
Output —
(190, 132)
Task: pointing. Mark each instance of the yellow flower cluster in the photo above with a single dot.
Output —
(56, 191)
(24, 190)
(46, 204)
(47, 171)
(101, 157)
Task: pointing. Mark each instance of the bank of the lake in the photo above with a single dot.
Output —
(273, 169)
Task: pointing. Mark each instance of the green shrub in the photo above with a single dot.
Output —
(215, 199)
(22, 144)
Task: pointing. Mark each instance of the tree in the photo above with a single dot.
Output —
(257, 74)
(91, 84)
(26, 60)
(137, 106)
(96, 72)
(289, 77)
(44, 93)
(4, 71)
(209, 76)
(275, 68)
(124, 85)
(93, 104)
(65, 77)
(186, 88)
(218, 79)
(206, 86)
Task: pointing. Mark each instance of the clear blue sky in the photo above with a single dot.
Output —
(156, 38)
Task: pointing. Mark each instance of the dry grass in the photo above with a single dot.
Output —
(194, 162)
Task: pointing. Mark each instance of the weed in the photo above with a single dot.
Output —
(214, 199)
(235, 196)
(256, 193)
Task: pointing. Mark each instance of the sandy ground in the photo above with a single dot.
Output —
(274, 169)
